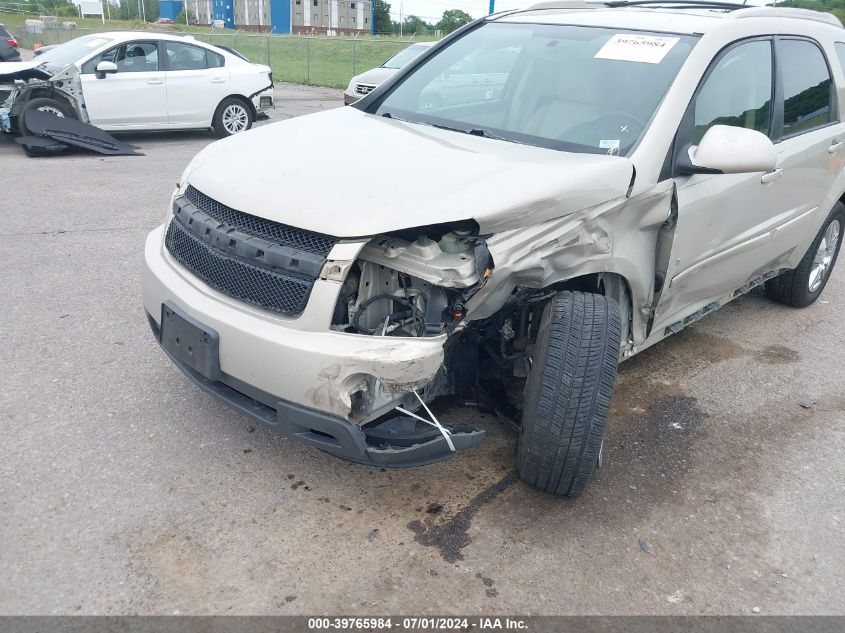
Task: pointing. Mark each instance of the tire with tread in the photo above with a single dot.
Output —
(42, 103)
(568, 391)
(217, 122)
(793, 286)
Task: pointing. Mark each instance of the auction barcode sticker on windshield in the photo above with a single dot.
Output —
(648, 49)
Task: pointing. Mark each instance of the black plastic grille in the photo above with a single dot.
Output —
(259, 227)
(259, 286)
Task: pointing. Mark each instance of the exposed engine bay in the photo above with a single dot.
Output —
(413, 288)
(18, 87)
(419, 286)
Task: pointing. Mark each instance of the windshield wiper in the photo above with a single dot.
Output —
(477, 131)
(393, 117)
(474, 131)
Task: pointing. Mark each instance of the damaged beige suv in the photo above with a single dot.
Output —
(642, 165)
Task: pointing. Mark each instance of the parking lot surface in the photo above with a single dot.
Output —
(124, 489)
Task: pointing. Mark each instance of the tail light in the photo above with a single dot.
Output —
(11, 42)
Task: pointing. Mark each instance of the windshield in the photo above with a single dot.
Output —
(64, 55)
(573, 88)
(404, 56)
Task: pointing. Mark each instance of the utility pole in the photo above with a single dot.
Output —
(400, 18)
(492, 6)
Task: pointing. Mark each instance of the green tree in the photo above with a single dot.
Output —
(453, 19)
(128, 10)
(65, 10)
(381, 17)
(183, 18)
(414, 25)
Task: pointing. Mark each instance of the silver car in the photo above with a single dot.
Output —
(363, 84)
(631, 169)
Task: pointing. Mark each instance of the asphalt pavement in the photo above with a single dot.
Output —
(124, 489)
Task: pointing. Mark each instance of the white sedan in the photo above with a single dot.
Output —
(139, 81)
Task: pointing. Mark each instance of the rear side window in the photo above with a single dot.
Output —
(807, 88)
(187, 57)
(737, 91)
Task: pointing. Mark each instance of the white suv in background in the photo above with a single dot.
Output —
(639, 167)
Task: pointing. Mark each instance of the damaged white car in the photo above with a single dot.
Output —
(640, 168)
(128, 81)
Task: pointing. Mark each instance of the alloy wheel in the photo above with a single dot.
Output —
(824, 256)
(235, 118)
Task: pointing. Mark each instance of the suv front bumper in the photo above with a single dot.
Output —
(295, 374)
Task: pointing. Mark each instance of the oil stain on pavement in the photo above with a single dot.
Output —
(451, 536)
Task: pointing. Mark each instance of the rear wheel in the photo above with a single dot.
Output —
(43, 104)
(232, 116)
(803, 285)
(567, 394)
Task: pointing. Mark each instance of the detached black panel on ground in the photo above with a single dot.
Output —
(64, 132)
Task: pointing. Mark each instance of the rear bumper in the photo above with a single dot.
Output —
(264, 100)
(318, 429)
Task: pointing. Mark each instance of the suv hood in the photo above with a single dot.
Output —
(350, 174)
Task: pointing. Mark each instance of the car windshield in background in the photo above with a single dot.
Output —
(404, 56)
(61, 57)
(573, 88)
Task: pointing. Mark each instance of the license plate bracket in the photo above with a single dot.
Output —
(190, 342)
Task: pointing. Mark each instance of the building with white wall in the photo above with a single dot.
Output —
(318, 17)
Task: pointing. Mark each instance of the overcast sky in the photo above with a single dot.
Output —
(432, 10)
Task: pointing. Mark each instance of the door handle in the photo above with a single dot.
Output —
(218, 80)
(835, 147)
(155, 82)
(769, 177)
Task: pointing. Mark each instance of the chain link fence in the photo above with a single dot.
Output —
(312, 60)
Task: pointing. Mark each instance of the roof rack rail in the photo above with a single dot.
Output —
(787, 12)
(678, 4)
(562, 4)
(733, 9)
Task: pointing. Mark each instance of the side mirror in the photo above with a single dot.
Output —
(105, 68)
(726, 149)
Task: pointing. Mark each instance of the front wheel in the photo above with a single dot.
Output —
(232, 116)
(802, 286)
(43, 104)
(567, 394)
